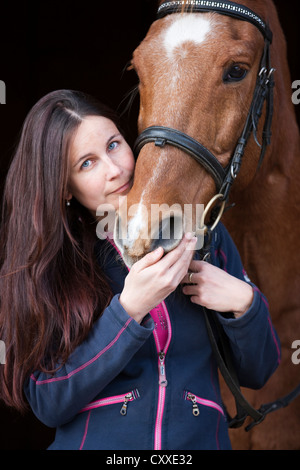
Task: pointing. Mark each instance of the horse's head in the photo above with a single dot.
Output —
(197, 74)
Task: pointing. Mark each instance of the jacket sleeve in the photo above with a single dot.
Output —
(253, 339)
(113, 340)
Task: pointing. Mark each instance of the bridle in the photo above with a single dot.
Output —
(263, 92)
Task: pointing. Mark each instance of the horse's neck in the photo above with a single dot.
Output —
(264, 223)
(274, 193)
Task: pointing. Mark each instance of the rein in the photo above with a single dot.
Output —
(161, 136)
(224, 178)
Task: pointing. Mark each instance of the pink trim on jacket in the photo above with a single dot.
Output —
(161, 326)
(162, 389)
(110, 401)
(86, 364)
(85, 431)
(223, 256)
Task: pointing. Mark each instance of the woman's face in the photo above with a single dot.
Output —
(101, 164)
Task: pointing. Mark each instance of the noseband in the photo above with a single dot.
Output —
(263, 92)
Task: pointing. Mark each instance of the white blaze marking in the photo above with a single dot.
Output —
(187, 27)
(140, 219)
(135, 225)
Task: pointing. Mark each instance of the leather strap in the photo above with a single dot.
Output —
(165, 135)
(224, 360)
(227, 369)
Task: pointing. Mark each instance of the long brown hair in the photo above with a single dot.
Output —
(51, 289)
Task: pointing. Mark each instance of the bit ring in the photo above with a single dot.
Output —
(221, 210)
(190, 277)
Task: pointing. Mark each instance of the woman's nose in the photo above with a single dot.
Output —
(112, 170)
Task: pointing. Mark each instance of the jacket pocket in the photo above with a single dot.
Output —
(124, 398)
(197, 402)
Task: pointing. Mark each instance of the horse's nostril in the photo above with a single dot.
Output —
(169, 234)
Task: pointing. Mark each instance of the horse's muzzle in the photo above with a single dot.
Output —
(135, 241)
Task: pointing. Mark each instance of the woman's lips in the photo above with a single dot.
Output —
(122, 188)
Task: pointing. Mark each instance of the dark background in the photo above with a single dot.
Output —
(84, 46)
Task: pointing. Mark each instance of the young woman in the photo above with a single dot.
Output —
(112, 359)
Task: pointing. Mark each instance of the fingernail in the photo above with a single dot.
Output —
(189, 235)
(191, 244)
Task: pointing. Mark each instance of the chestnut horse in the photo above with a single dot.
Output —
(197, 74)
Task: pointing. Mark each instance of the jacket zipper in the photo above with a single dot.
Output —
(196, 410)
(124, 399)
(201, 401)
(127, 398)
(162, 380)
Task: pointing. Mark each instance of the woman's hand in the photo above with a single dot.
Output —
(154, 277)
(215, 289)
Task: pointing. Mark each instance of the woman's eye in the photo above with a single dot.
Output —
(112, 145)
(234, 74)
(86, 164)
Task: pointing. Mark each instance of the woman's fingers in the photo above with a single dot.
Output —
(190, 289)
(191, 277)
(149, 259)
(216, 289)
(183, 252)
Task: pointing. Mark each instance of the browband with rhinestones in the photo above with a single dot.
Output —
(229, 8)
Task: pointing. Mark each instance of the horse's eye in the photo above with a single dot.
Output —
(234, 74)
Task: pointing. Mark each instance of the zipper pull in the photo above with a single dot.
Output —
(123, 410)
(196, 410)
(162, 372)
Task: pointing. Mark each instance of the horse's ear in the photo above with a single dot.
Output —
(130, 67)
